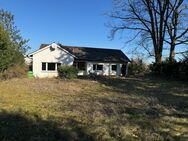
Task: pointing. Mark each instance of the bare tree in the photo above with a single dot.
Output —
(145, 17)
(177, 26)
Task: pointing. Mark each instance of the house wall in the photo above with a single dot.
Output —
(107, 68)
(55, 54)
(50, 55)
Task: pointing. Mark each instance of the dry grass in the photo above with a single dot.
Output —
(104, 110)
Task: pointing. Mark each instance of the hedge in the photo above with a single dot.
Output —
(176, 70)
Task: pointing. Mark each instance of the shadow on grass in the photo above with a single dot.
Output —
(170, 94)
(16, 127)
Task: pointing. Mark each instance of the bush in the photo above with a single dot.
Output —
(17, 71)
(176, 70)
(185, 58)
(137, 66)
(67, 72)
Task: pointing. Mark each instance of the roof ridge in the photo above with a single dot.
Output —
(89, 53)
(88, 47)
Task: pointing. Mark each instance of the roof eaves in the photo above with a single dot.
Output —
(39, 50)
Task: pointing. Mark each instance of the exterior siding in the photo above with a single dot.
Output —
(55, 54)
(48, 55)
(107, 68)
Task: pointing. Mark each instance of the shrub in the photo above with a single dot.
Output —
(185, 58)
(164, 68)
(137, 66)
(185, 64)
(67, 72)
(176, 70)
(16, 71)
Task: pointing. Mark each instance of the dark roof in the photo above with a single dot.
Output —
(43, 45)
(95, 54)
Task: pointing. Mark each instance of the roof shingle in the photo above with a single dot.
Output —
(95, 54)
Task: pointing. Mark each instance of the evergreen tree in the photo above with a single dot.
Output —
(7, 21)
(7, 50)
(12, 44)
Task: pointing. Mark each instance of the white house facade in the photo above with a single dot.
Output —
(45, 61)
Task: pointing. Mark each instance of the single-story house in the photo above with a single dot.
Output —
(45, 61)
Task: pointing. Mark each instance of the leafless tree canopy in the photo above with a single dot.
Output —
(154, 21)
(177, 26)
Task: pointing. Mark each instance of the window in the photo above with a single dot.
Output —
(43, 66)
(51, 66)
(58, 64)
(94, 66)
(81, 65)
(97, 67)
(114, 67)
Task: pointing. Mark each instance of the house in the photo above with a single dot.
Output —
(45, 61)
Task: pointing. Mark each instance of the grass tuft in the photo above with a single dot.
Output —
(107, 109)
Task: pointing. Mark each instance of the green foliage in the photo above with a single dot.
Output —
(7, 50)
(67, 72)
(9, 54)
(7, 21)
(167, 69)
(137, 66)
(12, 46)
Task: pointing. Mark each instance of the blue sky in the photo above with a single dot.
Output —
(70, 22)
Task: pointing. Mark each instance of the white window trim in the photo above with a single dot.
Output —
(112, 69)
(47, 67)
(96, 67)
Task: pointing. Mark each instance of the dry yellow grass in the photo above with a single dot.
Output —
(108, 109)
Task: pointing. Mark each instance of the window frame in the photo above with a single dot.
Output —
(99, 65)
(115, 67)
(96, 67)
(54, 67)
(81, 66)
(45, 66)
(58, 65)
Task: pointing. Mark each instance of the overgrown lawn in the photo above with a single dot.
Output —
(107, 109)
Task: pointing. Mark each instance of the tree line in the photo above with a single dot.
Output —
(157, 24)
(12, 45)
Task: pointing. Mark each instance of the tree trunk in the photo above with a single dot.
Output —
(158, 52)
(172, 53)
(158, 57)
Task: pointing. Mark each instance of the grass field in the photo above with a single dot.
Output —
(109, 109)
